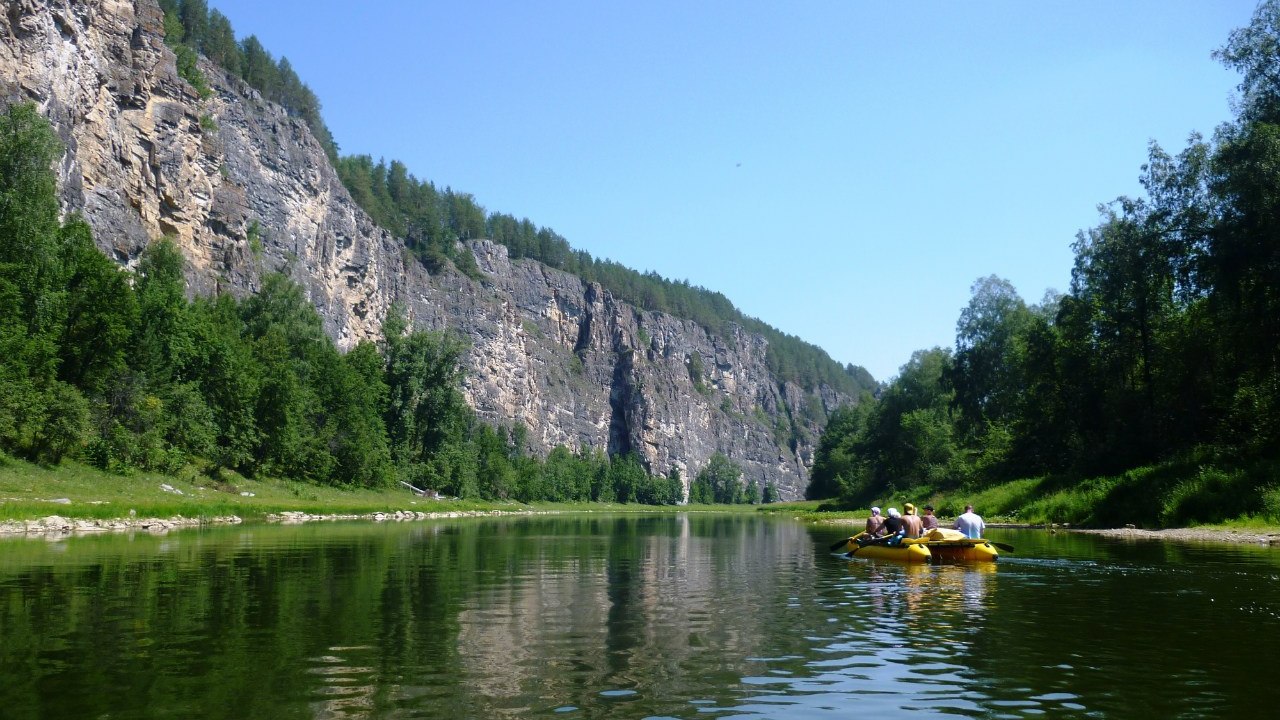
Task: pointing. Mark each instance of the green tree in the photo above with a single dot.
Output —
(40, 417)
(770, 493)
(29, 227)
(723, 477)
(354, 396)
(162, 341)
(984, 370)
(630, 481)
(102, 314)
(194, 16)
(220, 46)
(229, 377)
(426, 414)
(257, 67)
(838, 457)
(294, 358)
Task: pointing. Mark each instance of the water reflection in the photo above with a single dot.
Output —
(676, 616)
(902, 646)
(644, 618)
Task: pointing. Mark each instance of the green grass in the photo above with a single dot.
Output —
(1198, 490)
(30, 491)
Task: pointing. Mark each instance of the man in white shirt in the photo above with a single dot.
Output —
(970, 523)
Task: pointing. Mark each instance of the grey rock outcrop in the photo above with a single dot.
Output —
(245, 189)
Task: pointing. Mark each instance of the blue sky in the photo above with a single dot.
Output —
(844, 171)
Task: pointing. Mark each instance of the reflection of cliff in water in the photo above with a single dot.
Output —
(641, 608)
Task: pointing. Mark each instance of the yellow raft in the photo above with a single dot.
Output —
(953, 546)
(937, 545)
(910, 551)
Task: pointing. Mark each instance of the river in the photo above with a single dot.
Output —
(629, 616)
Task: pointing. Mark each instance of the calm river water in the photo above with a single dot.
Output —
(672, 616)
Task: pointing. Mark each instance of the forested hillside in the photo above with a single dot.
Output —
(1154, 383)
(430, 221)
(120, 370)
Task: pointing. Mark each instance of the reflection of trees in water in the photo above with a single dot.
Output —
(475, 618)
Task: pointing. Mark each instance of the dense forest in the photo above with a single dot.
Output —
(120, 370)
(1159, 370)
(431, 221)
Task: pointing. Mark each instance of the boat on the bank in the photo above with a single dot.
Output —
(938, 546)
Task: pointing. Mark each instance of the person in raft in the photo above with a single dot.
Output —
(929, 521)
(875, 523)
(970, 523)
(912, 521)
(893, 529)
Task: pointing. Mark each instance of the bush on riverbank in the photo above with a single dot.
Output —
(1196, 490)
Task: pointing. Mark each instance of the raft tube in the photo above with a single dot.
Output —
(908, 551)
(952, 546)
(945, 551)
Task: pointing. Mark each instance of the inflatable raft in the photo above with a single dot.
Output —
(940, 546)
(910, 551)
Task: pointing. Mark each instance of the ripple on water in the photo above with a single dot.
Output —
(618, 694)
(349, 687)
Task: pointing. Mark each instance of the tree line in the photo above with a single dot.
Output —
(1166, 347)
(190, 27)
(430, 221)
(120, 370)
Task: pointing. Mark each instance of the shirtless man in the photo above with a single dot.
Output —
(875, 523)
(911, 521)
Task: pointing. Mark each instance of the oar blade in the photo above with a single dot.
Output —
(1003, 546)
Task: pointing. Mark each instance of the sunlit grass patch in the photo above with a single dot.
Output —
(72, 489)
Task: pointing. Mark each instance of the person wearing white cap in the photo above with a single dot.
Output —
(894, 527)
(875, 522)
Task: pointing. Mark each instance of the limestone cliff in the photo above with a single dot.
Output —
(245, 189)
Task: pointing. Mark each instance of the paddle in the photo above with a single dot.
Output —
(843, 542)
(882, 540)
(1003, 546)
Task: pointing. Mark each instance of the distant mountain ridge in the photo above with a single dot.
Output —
(245, 189)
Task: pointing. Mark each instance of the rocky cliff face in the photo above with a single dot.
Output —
(245, 190)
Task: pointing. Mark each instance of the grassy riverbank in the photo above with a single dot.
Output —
(1194, 492)
(1156, 497)
(74, 490)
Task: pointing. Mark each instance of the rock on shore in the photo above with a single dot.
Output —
(57, 525)
(1199, 535)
